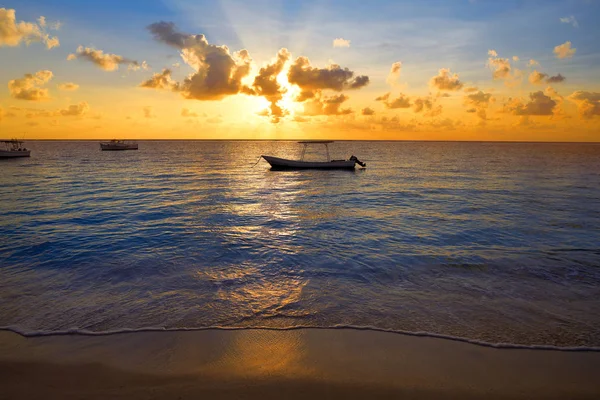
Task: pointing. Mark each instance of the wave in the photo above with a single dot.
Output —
(85, 332)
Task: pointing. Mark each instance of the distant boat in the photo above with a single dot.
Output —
(283, 163)
(13, 148)
(115, 145)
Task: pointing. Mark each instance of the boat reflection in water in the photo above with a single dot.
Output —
(283, 163)
(116, 145)
(13, 148)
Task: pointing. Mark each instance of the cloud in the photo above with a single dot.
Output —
(326, 106)
(470, 89)
(187, 113)
(500, 67)
(537, 78)
(539, 104)
(570, 20)
(492, 53)
(148, 112)
(27, 88)
(564, 50)
(13, 33)
(445, 80)
(588, 103)
(75, 110)
(265, 84)
(334, 77)
(68, 86)
(515, 58)
(218, 72)
(402, 101)
(161, 80)
(556, 79)
(532, 62)
(106, 61)
(478, 103)
(394, 75)
(339, 42)
(367, 111)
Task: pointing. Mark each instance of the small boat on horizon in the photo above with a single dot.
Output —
(116, 145)
(283, 163)
(14, 148)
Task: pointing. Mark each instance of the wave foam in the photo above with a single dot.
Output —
(85, 332)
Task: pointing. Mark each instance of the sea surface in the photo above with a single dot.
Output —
(489, 242)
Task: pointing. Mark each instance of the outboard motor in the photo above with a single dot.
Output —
(356, 160)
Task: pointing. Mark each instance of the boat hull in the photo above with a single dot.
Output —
(282, 163)
(113, 147)
(15, 154)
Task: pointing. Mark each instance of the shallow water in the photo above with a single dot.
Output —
(492, 242)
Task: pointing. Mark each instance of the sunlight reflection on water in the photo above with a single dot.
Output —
(495, 242)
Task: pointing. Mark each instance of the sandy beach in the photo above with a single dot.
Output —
(304, 363)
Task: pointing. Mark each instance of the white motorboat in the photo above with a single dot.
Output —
(283, 163)
(116, 145)
(14, 148)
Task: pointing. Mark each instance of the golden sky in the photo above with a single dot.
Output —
(381, 70)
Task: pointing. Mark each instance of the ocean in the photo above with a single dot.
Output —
(495, 243)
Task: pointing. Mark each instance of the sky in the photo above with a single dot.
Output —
(483, 70)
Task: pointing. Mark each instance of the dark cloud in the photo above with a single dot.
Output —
(556, 79)
(266, 85)
(161, 80)
(219, 73)
(539, 104)
(402, 101)
(312, 79)
(367, 111)
(327, 106)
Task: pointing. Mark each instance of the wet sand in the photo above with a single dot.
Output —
(296, 364)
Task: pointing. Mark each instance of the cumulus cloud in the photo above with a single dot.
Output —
(310, 79)
(555, 79)
(367, 111)
(323, 105)
(564, 50)
(339, 42)
(161, 80)
(402, 101)
(492, 53)
(28, 87)
(532, 62)
(394, 75)
(105, 61)
(445, 80)
(539, 104)
(470, 89)
(500, 67)
(13, 33)
(570, 20)
(75, 110)
(68, 86)
(219, 73)
(588, 103)
(478, 103)
(537, 78)
(515, 58)
(265, 84)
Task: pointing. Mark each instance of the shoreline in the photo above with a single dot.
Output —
(476, 342)
(299, 363)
